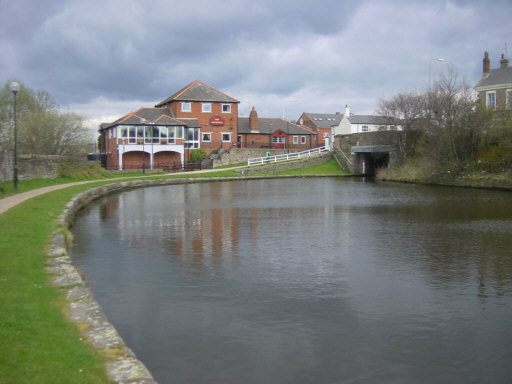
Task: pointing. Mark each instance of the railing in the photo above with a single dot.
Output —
(287, 156)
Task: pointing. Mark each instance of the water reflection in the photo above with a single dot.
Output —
(306, 280)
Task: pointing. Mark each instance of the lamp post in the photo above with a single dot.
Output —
(429, 89)
(15, 87)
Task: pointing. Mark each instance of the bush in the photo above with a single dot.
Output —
(197, 155)
(497, 158)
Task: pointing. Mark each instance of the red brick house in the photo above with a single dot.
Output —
(216, 112)
(276, 133)
(196, 116)
(147, 138)
(321, 123)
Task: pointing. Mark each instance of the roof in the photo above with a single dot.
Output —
(198, 91)
(324, 120)
(269, 125)
(495, 78)
(373, 120)
(159, 116)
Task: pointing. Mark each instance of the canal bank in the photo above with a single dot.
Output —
(412, 174)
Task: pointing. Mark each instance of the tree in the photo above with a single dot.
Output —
(410, 109)
(456, 124)
(42, 128)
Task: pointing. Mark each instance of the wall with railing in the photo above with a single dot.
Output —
(287, 156)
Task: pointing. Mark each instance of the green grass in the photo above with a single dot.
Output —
(330, 167)
(38, 343)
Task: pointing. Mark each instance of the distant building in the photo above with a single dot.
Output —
(321, 123)
(495, 87)
(350, 123)
(276, 133)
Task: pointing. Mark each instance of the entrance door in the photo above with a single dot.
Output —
(239, 141)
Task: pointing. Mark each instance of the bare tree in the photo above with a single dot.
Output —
(455, 130)
(410, 109)
(42, 127)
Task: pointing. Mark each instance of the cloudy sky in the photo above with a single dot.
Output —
(105, 58)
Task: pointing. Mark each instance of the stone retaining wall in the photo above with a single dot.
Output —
(33, 166)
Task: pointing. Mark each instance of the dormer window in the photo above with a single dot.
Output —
(186, 107)
(206, 107)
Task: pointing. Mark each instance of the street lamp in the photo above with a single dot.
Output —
(14, 86)
(429, 87)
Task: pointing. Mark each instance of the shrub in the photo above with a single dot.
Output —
(197, 155)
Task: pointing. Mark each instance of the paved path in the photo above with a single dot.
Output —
(8, 202)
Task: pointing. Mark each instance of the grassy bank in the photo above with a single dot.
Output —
(417, 172)
(39, 344)
(329, 167)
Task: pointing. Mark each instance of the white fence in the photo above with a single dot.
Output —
(287, 156)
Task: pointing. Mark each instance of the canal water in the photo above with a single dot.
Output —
(322, 280)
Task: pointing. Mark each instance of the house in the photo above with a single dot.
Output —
(495, 87)
(196, 116)
(321, 123)
(147, 138)
(350, 123)
(216, 112)
(276, 133)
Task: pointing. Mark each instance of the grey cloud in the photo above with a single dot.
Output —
(331, 52)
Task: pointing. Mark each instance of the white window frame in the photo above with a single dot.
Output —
(206, 107)
(209, 134)
(303, 140)
(489, 105)
(228, 108)
(226, 133)
(278, 139)
(186, 106)
(295, 139)
(365, 128)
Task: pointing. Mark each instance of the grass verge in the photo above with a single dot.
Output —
(39, 344)
(330, 167)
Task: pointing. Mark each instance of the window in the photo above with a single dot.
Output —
(295, 139)
(226, 108)
(192, 135)
(491, 100)
(303, 139)
(206, 137)
(131, 138)
(178, 132)
(278, 139)
(226, 137)
(186, 107)
(364, 128)
(206, 107)
(326, 135)
(509, 98)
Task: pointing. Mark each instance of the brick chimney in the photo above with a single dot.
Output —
(487, 63)
(253, 120)
(503, 61)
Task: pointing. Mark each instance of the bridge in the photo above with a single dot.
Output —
(364, 153)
